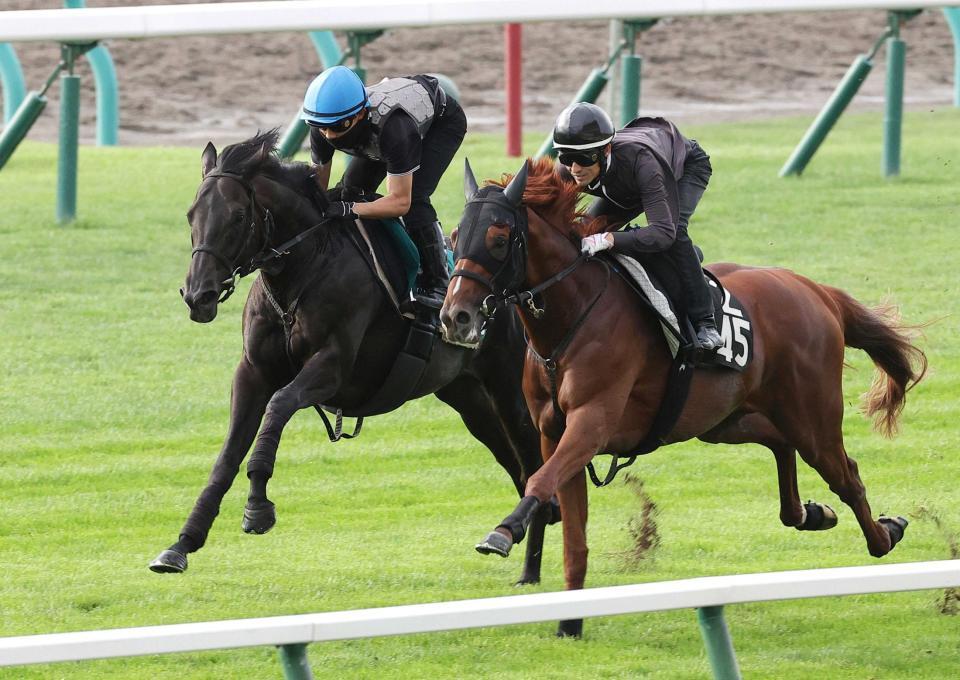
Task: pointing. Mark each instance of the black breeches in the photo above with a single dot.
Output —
(696, 175)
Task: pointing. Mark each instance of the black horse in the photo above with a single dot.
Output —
(318, 329)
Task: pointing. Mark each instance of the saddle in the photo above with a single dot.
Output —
(729, 314)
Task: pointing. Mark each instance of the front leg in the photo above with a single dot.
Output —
(573, 506)
(248, 399)
(318, 381)
(587, 430)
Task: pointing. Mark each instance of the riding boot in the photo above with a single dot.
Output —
(699, 301)
(432, 283)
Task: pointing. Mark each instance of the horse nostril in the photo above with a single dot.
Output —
(208, 298)
(181, 292)
(463, 318)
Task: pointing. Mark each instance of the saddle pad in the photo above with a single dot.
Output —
(395, 258)
(734, 325)
(657, 298)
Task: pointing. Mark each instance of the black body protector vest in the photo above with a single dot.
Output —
(409, 94)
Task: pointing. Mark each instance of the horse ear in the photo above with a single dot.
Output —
(208, 159)
(514, 190)
(469, 181)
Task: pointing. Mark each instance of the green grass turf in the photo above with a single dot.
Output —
(113, 406)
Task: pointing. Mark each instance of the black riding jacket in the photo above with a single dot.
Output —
(640, 176)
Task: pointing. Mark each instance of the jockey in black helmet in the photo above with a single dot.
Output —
(646, 167)
(405, 129)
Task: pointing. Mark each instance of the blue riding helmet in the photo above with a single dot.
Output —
(335, 94)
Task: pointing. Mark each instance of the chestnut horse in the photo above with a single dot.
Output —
(512, 239)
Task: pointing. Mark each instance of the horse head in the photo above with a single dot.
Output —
(246, 198)
(490, 255)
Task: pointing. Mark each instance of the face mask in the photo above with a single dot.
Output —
(354, 137)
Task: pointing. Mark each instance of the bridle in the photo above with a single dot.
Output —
(261, 255)
(508, 275)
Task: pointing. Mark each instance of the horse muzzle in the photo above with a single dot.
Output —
(461, 326)
(202, 304)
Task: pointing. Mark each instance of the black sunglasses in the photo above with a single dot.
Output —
(583, 158)
(338, 126)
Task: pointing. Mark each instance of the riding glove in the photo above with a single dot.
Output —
(592, 245)
(339, 210)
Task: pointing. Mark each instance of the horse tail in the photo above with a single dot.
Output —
(900, 364)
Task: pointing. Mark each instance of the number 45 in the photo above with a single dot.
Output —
(731, 332)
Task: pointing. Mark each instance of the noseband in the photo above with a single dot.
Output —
(239, 271)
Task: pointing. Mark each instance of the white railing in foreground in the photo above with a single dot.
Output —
(99, 23)
(421, 618)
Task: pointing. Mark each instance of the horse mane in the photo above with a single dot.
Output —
(551, 190)
(244, 159)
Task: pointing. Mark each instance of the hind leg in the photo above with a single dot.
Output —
(756, 428)
(814, 422)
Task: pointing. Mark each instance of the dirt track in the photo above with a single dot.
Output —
(188, 90)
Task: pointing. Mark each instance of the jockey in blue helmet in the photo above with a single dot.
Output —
(403, 129)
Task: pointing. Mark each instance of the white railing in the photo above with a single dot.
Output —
(305, 15)
(714, 591)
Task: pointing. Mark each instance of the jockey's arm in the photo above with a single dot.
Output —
(396, 202)
(661, 229)
(615, 216)
(323, 175)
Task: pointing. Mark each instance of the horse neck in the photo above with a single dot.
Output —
(548, 253)
(292, 214)
(325, 258)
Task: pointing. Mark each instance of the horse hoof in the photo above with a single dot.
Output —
(895, 526)
(571, 628)
(526, 581)
(820, 517)
(495, 544)
(260, 518)
(169, 562)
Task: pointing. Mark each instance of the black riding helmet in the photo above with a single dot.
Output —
(582, 126)
(581, 133)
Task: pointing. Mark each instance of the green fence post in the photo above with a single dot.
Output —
(952, 15)
(631, 69)
(293, 658)
(893, 105)
(67, 160)
(893, 110)
(105, 81)
(108, 100)
(11, 79)
(24, 117)
(18, 126)
(630, 87)
(828, 116)
(716, 638)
